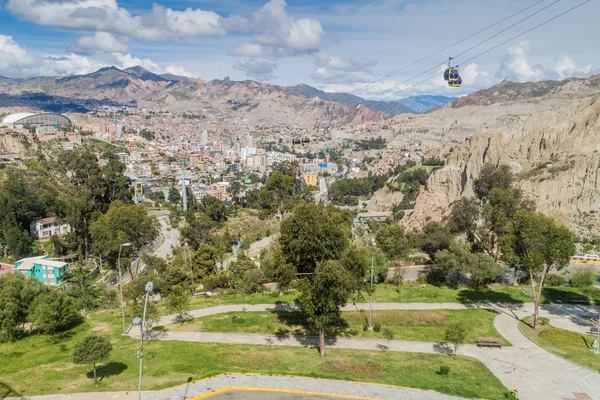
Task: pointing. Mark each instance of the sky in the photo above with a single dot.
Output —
(335, 45)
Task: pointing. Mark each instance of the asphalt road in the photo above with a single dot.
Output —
(253, 251)
(162, 246)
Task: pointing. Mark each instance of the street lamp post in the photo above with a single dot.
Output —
(141, 322)
(371, 288)
(121, 284)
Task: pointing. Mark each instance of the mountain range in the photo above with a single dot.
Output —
(136, 86)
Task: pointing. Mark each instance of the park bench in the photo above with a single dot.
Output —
(489, 342)
(594, 330)
(579, 300)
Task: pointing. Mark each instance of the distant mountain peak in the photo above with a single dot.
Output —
(142, 73)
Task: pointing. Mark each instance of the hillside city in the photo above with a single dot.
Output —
(167, 234)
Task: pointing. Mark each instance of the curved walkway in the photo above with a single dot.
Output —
(535, 372)
(324, 387)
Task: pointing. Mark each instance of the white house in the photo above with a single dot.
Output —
(48, 227)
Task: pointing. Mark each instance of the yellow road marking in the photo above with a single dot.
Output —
(273, 390)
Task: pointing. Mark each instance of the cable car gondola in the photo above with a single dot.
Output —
(452, 76)
(296, 142)
(305, 141)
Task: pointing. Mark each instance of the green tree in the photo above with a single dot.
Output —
(17, 293)
(435, 237)
(92, 349)
(122, 224)
(392, 240)
(322, 295)
(535, 244)
(276, 269)
(357, 261)
(456, 333)
(244, 269)
(174, 196)
(313, 234)
(52, 312)
(214, 208)
(459, 261)
(483, 218)
(178, 301)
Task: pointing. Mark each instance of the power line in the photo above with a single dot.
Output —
(446, 48)
(490, 49)
(469, 49)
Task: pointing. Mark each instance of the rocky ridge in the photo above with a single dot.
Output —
(555, 151)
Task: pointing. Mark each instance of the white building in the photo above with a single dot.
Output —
(48, 227)
(124, 158)
(250, 141)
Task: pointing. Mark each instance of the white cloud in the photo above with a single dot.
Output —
(517, 67)
(256, 68)
(276, 33)
(12, 56)
(334, 69)
(101, 42)
(105, 15)
(16, 61)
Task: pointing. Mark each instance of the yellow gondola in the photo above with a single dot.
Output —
(452, 76)
(305, 141)
(296, 142)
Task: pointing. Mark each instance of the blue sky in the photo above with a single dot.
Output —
(333, 45)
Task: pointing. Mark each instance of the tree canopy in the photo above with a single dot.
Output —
(535, 244)
(313, 234)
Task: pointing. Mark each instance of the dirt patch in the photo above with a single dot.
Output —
(354, 368)
(101, 327)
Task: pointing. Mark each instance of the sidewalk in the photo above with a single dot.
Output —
(328, 386)
(525, 366)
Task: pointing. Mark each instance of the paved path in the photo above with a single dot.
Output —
(536, 373)
(333, 388)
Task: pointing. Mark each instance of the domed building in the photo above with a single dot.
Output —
(18, 120)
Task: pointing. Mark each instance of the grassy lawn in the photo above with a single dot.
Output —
(415, 293)
(41, 364)
(411, 293)
(570, 345)
(228, 297)
(425, 326)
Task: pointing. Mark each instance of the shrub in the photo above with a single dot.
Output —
(421, 278)
(213, 282)
(377, 327)
(555, 280)
(583, 277)
(444, 370)
(397, 278)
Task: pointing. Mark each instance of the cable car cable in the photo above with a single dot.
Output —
(469, 49)
(447, 47)
(490, 49)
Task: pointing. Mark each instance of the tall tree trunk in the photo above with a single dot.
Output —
(322, 341)
(94, 368)
(535, 301)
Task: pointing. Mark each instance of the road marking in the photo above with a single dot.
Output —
(273, 390)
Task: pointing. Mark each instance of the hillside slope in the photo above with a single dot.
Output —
(249, 102)
(556, 153)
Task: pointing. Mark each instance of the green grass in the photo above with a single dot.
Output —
(570, 345)
(411, 293)
(41, 364)
(415, 293)
(419, 325)
(228, 297)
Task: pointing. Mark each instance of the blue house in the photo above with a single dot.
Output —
(44, 269)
